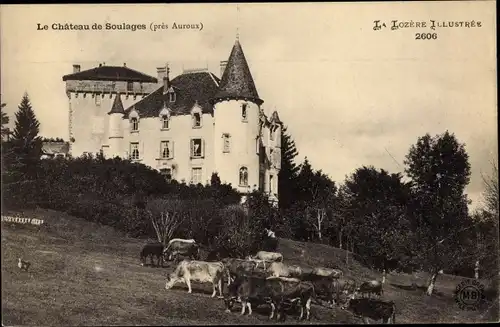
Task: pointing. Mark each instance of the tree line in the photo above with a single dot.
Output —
(415, 222)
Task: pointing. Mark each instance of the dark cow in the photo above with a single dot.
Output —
(152, 250)
(187, 248)
(371, 287)
(274, 291)
(328, 286)
(372, 308)
(236, 267)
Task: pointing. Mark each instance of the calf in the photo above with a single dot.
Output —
(198, 271)
(237, 267)
(373, 309)
(373, 286)
(152, 250)
(178, 247)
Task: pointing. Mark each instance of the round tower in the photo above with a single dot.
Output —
(236, 125)
(115, 128)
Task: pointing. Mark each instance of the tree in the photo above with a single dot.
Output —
(490, 193)
(373, 207)
(165, 217)
(289, 170)
(5, 121)
(439, 170)
(215, 180)
(26, 144)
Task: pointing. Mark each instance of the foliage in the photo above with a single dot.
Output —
(439, 170)
(374, 212)
(289, 170)
(490, 194)
(5, 121)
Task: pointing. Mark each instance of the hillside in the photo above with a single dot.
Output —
(83, 273)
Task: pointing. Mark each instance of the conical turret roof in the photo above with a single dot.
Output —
(117, 107)
(237, 81)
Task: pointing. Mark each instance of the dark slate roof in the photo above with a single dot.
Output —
(111, 73)
(189, 88)
(117, 107)
(276, 118)
(237, 81)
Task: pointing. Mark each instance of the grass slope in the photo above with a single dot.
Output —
(87, 274)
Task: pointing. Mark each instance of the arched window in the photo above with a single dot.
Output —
(134, 124)
(196, 120)
(243, 176)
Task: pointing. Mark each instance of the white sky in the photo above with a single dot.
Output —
(347, 93)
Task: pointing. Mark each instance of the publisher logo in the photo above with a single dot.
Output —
(469, 295)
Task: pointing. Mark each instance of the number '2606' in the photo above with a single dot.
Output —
(426, 36)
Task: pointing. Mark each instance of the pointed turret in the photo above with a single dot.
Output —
(237, 81)
(117, 107)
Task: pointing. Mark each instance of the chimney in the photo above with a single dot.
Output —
(100, 65)
(124, 64)
(162, 73)
(76, 69)
(223, 65)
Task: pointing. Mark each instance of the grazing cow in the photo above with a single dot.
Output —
(176, 247)
(335, 273)
(373, 309)
(373, 286)
(280, 269)
(268, 256)
(152, 250)
(274, 291)
(198, 271)
(237, 267)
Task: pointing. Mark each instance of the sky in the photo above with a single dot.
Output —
(350, 96)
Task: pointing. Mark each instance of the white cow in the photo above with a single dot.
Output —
(268, 256)
(198, 271)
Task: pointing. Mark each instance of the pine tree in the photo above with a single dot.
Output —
(289, 170)
(26, 144)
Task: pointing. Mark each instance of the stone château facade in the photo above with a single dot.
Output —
(187, 127)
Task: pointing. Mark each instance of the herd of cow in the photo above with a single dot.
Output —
(266, 279)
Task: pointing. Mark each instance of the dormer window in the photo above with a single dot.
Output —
(171, 96)
(134, 124)
(130, 86)
(244, 112)
(196, 120)
(165, 122)
(271, 133)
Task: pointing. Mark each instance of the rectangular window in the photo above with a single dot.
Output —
(134, 124)
(166, 150)
(244, 112)
(134, 151)
(165, 122)
(171, 97)
(257, 145)
(167, 173)
(196, 120)
(271, 184)
(130, 86)
(227, 144)
(271, 134)
(196, 175)
(197, 148)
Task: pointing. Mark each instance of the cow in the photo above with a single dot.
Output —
(176, 247)
(198, 271)
(372, 308)
(237, 267)
(280, 269)
(268, 256)
(152, 250)
(373, 286)
(335, 273)
(273, 290)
